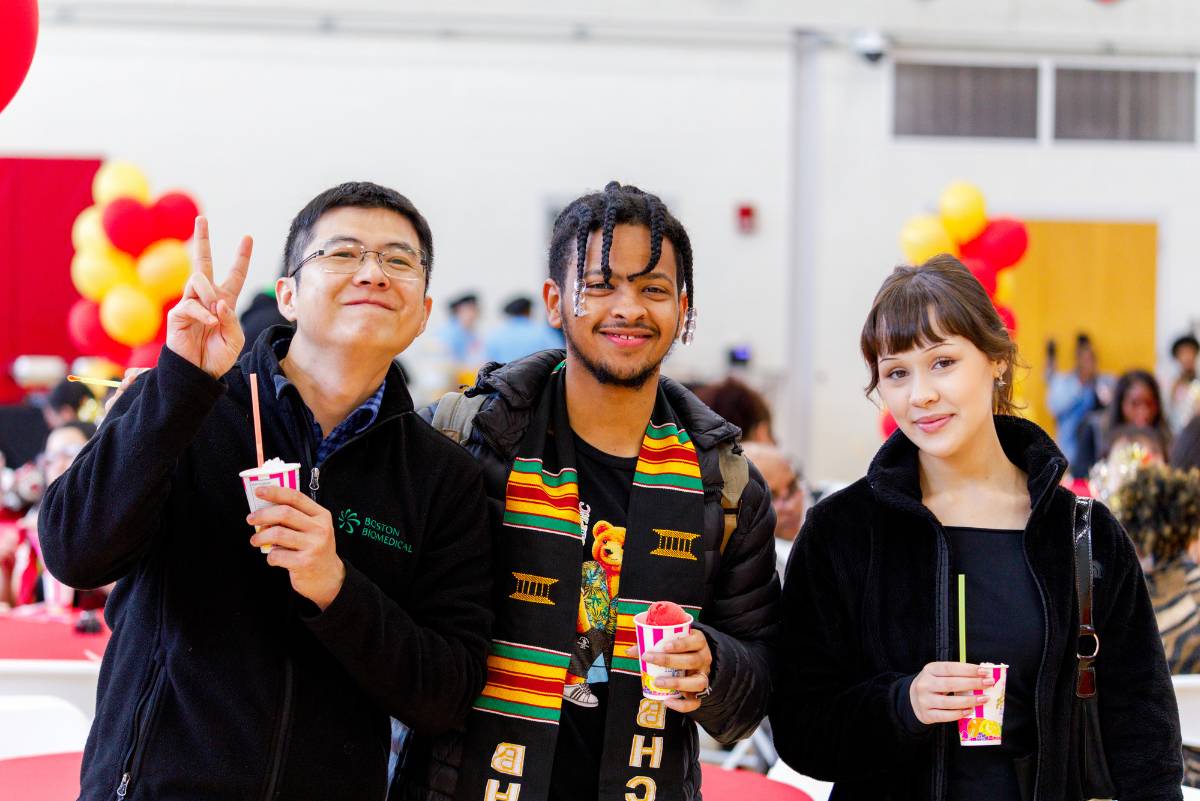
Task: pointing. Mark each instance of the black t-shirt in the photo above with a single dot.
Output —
(604, 484)
(1005, 624)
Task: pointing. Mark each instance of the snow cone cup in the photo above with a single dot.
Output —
(273, 473)
(984, 725)
(649, 638)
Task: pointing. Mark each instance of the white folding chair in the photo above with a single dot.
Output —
(31, 725)
(816, 789)
(1187, 694)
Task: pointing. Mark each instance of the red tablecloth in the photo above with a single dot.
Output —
(52, 777)
(739, 785)
(55, 777)
(48, 636)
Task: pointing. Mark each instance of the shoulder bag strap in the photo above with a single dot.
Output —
(1088, 646)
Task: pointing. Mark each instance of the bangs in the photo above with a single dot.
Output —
(915, 314)
(919, 307)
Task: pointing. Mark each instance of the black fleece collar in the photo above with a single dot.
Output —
(894, 474)
(519, 385)
(263, 360)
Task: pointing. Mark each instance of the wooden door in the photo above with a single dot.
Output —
(1092, 277)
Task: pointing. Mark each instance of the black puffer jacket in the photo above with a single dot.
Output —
(740, 611)
(866, 607)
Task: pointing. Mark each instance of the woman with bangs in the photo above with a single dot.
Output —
(870, 636)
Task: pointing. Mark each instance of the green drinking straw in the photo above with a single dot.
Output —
(962, 617)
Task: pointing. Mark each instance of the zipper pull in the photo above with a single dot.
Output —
(314, 482)
(123, 787)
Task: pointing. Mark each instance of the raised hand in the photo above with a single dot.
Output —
(203, 327)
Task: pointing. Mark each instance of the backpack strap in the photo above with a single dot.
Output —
(455, 413)
(735, 473)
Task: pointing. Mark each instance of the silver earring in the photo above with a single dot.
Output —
(577, 305)
(689, 326)
(1000, 382)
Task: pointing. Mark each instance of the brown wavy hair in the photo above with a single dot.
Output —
(922, 305)
(1160, 510)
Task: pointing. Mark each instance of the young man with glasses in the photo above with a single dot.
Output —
(233, 674)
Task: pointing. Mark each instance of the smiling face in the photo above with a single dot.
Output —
(630, 321)
(1139, 406)
(941, 393)
(366, 309)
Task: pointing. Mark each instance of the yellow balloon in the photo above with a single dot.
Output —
(924, 237)
(117, 179)
(97, 270)
(88, 230)
(129, 315)
(963, 211)
(1006, 286)
(163, 269)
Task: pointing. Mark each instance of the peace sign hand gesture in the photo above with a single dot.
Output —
(202, 327)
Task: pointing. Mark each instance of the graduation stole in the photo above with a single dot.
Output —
(513, 727)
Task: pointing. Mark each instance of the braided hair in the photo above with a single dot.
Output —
(604, 211)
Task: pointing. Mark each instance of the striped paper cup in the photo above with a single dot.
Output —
(276, 475)
(649, 638)
(986, 722)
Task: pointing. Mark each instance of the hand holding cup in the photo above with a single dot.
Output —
(300, 533)
(934, 693)
(689, 653)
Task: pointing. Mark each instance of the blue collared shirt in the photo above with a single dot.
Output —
(355, 423)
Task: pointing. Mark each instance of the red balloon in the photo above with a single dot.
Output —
(18, 39)
(984, 273)
(887, 424)
(1002, 243)
(174, 216)
(145, 355)
(1009, 318)
(83, 326)
(129, 225)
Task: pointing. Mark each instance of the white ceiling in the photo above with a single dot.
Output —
(1125, 26)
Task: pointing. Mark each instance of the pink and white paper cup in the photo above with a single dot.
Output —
(274, 473)
(648, 639)
(986, 723)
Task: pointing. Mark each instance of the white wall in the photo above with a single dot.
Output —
(478, 134)
(868, 183)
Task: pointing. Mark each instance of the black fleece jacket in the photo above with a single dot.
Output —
(220, 681)
(867, 606)
(741, 590)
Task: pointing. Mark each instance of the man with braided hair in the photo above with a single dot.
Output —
(612, 487)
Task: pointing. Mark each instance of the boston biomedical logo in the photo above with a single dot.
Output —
(348, 521)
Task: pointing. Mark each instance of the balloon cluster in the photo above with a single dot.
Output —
(130, 265)
(989, 248)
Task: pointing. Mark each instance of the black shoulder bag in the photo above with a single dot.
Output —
(1090, 762)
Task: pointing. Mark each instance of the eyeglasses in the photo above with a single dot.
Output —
(343, 257)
